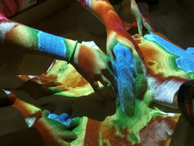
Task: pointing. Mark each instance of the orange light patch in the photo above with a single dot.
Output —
(86, 60)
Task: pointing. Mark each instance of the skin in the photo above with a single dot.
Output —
(129, 8)
(156, 24)
(29, 40)
(54, 132)
(116, 32)
(50, 131)
(98, 68)
(117, 35)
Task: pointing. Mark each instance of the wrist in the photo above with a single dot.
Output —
(74, 58)
(71, 53)
(82, 56)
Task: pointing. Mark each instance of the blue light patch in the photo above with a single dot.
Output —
(63, 118)
(51, 44)
(126, 73)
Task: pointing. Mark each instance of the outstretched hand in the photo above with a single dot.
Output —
(95, 66)
(54, 131)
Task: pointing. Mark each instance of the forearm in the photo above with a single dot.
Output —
(116, 31)
(30, 40)
(104, 11)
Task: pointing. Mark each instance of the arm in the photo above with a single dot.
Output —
(121, 48)
(116, 32)
(44, 132)
(30, 40)
(128, 7)
(94, 67)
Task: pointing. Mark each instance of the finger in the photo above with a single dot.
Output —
(52, 116)
(112, 78)
(139, 25)
(94, 85)
(45, 113)
(148, 27)
(107, 84)
(64, 143)
(96, 89)
(69, 135)
(63, 116)
(40, 114)
(110, 54)
(75, 122)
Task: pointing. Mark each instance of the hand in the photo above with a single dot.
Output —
(131, 83)
(95, 66)
(155, 23)
(54, 133)
(129, 10)
(140, 19)
(124, 39)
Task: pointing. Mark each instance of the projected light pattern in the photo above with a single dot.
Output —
(117, 35)
(164, 76)
(51, 44)
(62, 118)
(185, 59)
(126, 74)
(27, 39)
(117, 129)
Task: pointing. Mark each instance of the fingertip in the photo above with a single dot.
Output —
(64, 116)
(75, 122)
(45, 113)
(74, 136)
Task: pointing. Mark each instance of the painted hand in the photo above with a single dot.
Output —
(129, 10)
(53, 131)
(140, 19)
(121, 37)
(156, 24)
(126, 73)
(95, 66)
(132, 83)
